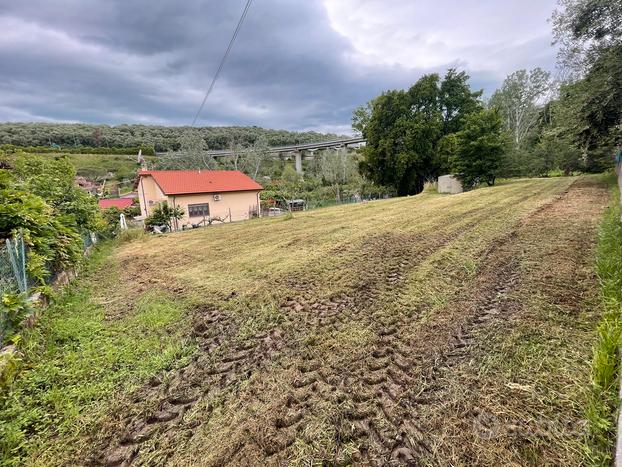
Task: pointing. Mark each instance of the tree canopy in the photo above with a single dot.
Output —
(405, 130)
(479, 148)
(162, 138)
(519, 101)
(590, 35)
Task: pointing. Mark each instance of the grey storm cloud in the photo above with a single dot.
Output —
(295, 65)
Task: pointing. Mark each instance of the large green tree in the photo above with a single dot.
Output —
(405, 130)
(479, 148)
(590, 35)
(38, 199)
(520, 100)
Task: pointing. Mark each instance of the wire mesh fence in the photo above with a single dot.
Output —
(89, 239)
(14, 278)
(281, 207)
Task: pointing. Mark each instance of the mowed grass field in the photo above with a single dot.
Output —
(427, 330)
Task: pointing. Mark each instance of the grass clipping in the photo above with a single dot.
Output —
(603, 398)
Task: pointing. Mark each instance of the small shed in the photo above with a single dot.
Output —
(449, 184)
(296, 204)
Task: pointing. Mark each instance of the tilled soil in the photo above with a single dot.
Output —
(354, 370)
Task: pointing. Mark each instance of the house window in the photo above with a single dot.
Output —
(198, 210)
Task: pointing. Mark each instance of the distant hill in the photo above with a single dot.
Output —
(163, 138)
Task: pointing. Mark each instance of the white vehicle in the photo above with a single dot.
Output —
(275, 211)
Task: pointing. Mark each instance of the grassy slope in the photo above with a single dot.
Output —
(75, 361)
(436, 328)
(604, 398)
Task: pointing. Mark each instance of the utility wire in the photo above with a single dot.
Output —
(222, 61)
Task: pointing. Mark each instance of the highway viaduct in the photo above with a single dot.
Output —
(299, 151)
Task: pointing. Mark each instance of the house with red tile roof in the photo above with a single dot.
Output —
(202, 194)
(120, 203)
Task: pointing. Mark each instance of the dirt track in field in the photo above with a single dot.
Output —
(383, 356)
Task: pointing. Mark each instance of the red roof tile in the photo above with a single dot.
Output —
(120, 203)
(178, 182)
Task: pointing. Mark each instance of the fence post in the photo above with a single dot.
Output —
(21, 239)
(18, 264)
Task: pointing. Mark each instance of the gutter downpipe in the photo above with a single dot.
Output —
(175, 219)
(142, 188)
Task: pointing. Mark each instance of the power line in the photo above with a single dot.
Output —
(222, 61)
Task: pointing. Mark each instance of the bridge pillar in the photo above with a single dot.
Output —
(298, 155)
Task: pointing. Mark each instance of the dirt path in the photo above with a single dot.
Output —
(400, 349)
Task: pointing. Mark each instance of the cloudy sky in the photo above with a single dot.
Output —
(297, 64)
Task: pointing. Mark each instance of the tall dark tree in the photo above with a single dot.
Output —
(404, 130)
(457, 100)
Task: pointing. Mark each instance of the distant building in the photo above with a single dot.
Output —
(87, 185)
(296, 204)
(227, 195)
(120, 203)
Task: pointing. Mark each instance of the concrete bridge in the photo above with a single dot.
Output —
(299, 151)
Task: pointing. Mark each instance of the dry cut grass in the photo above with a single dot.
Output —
(428, 330)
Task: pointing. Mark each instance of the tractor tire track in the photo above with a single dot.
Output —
(386, 378)
(404, 367)
(383, 380)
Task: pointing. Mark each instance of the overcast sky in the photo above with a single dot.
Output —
(297, 64)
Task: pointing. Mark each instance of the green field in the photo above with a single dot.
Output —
(432, 330)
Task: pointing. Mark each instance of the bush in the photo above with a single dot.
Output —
(430, 187)
(14, 308)
(38, 198)
(163, 214)
(9, 366)
(110, 217)
(480, 147)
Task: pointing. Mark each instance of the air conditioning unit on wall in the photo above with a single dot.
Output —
(217, 197)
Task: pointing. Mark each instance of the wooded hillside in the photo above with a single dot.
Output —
(162, 138)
